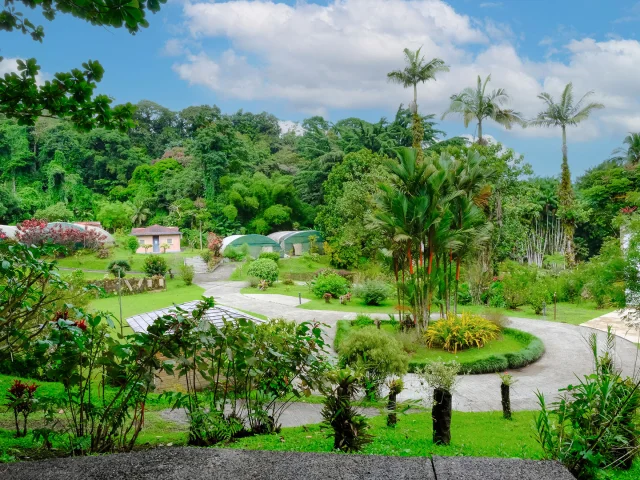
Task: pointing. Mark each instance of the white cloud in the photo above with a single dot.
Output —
(287, 126)
(317, 58)
(10, 65)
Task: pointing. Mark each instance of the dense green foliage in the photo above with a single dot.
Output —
(329, 283)
(264, 269)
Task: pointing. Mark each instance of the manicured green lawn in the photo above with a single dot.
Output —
(356, 304)
(136, 260)
(299, 268)
(177, 292)
(565, 313)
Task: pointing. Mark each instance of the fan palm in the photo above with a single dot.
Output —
(563, 114)
(477, 105)
(140, 214)
(632, 151)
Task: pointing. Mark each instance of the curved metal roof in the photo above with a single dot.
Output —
(251, 239)
(64, 225)
(279, 236)
(9, 230)
(140, 323)
(109, 240)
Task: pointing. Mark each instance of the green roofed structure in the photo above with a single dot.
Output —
(255, 243)
(295, 243)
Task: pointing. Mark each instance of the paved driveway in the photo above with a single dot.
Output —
(567, 354)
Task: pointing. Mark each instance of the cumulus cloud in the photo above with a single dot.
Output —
(316, 58)
(10, 65)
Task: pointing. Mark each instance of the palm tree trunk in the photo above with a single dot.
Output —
(480, 131)
(566, 202)
(415, 97)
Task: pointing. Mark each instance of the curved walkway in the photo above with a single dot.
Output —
(567, 354)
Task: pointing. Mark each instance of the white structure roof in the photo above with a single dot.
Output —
(109, 240)
(9, 230)
(227, 240)
(279, 236)
(140, 323)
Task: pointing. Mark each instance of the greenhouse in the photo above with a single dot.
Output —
(295, 243)
(255, 243)
(108, 238)
(9, 231)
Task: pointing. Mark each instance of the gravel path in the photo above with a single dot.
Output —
(567, 355)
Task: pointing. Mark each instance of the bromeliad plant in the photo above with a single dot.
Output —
(22, 400)
(241, 376)
(461, 332)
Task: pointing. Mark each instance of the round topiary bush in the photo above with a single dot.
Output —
(331, 283)
(155, 265)
(264, 269)
(375, 352)
(119, 266)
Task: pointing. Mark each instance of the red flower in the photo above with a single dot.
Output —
(19, 388)
(82, 325)
(628, 210)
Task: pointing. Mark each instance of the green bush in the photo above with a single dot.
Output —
(515, 283)
(187, 272)
(329, 282)
(206, 256)
(132, 244)
(264, 269)
(377, 354)
(464, 294)
(275, 256)
(120, 267)
(461, 332)
(538, 296)
(155, 265)
(373, 292)
(495, 295)
(233, 254)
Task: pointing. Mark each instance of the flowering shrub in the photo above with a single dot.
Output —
(155, 265)
(214, 243)
(21, 399)
(37, 232)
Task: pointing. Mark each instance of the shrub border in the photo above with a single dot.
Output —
(532, 350)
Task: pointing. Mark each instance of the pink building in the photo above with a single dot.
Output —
(157, 236)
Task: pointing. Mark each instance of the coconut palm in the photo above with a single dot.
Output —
(563, 114)
(478, 105)
(630, 153)
(140, 214)
(417, 70)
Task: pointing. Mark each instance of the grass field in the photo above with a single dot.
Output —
(565, 313)
(298, 267)
(484, 434)
(136, 260)
(177, 292)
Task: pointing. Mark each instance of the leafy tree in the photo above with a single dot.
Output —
(14, 151)
(57, 212)
(115, 215)
(140, 214)
(69, 94)
(478, 105)
(132, 244)
(563, 114)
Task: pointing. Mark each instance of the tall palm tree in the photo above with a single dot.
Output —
(416, 71)
(632, 151)
(563, 114)
(477, 105)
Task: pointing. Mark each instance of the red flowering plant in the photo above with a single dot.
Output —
(628, 210)
(214, 243)
(37, 232)
(21, 399)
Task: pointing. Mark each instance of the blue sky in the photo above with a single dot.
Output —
(295, 59)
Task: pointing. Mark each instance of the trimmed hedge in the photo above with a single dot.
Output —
(532, 350)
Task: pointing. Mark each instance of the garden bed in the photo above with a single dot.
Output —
(514, 349)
